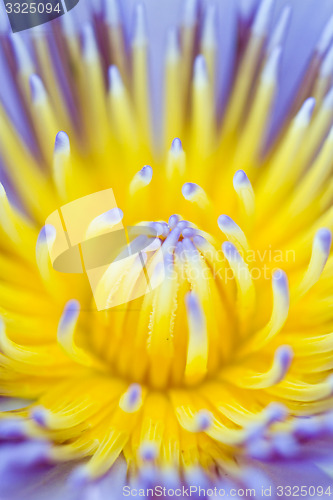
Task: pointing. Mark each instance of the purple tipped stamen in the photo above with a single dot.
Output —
(70, 315)
(146, 174)
(176, 145)
(47, 235)
(230, 251)
(324, 239)
(281, 281)
(189, 190)
(173, 221)
(62, 144)
(194, 308)
(204, 420)
(241, 179)
(36, 88)
(284, 356)
(225, 221)
(148, 451)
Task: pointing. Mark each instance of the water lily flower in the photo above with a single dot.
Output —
(220, 377)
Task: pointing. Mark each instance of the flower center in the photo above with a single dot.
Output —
(170, 333)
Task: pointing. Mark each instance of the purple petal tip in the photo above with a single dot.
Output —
(204, 419)
(173, 220)
(230, 251)
(176, 145)
(225, 221)
(61, 142)
(188, 189)
(280, 279)
(148, 451)
(39, 416)
(240, 178)
(324, 237)
(70, 314)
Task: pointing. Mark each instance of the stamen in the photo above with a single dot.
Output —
(189, 232)
(197, 349)
(43, 115)
(24, 63)
(23, 59)
(303, 117)
(251, 379)
(173, 92)
(14, 429)
(244, 190)
(40, 416)
(280, 29)
(245, 10)
(61, 166)
(200, 72)
(324, 79)
(173, 48)
(173, 221)
(148, 451)
(272, 413)
(104, 222)
(279, 313)
(116, 36)
(176, 162)
(140, 73)
(327, 66)
(233, 232)
(245, 287)
(93, 90)
(69, 29)
(246, 75)
(121, 110)
(65, 336)
(326, 37)
(188, 37)
(45, 241)
(194, 193)
(320, 253)
(262, 19)
(282, 445)
(111, 13)
(209, 43)
(202, 109)
(201, 421)
(190, 12)
(276, 412)
(313, 181)
(269, 74)
(300, 391)
(153, 426)
(38, 93)
(249, 147)
(280, 168)
(61, 145)
(67, 325)
(315, 134)
(7, 218)
(141, 179)
(185, 412)
(161, 229)
(131, 400)
(140, 29)
(208, 40)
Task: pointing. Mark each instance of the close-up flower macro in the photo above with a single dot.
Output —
(166, 265)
